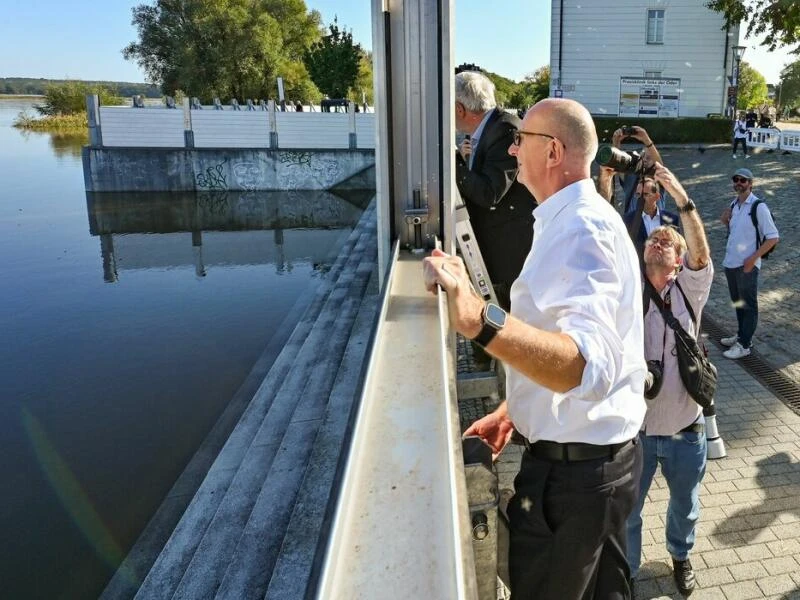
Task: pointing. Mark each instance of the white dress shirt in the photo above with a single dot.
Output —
(742, 234)
(582, 278)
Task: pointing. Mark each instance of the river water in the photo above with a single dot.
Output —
(127, 324)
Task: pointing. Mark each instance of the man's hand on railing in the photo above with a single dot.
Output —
(463, 303)
(495, 429)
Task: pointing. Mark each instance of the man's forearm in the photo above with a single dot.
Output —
(552, 360)
(696, 240)
(605, 187)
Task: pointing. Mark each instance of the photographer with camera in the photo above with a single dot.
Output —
(678, 275)
(629, 179)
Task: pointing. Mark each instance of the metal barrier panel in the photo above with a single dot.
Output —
(313, 130)
(758, 137)
(230, 129)
(365, 130)
(402, 528)
(790, 140)
(137, 127)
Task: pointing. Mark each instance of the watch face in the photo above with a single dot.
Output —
(495, 315)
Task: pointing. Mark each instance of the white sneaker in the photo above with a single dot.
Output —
(729, 341)
(736, 351)
(734, 156)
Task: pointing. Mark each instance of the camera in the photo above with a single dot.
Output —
(653, 379)
(621, 161)
(627, 130)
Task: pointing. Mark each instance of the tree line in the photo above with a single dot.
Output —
(29, 86)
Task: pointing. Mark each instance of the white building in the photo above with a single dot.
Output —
(662, 58)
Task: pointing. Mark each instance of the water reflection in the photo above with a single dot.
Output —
(126, 222)
(66, 145)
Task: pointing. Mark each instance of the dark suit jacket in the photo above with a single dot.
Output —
(638, 231)
(499, 206)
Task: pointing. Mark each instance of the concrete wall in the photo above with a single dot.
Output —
(220, 169)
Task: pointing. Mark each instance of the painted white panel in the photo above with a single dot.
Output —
(606, 39)
(230, 128)
(145, 127)
(365, 130)
(313, 130)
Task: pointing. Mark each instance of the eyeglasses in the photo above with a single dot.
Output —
(737, 179)
(519, 133)
(663, 242)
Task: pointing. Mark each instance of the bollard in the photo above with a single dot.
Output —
(715, 445)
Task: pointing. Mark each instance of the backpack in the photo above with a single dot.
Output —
(754, 219)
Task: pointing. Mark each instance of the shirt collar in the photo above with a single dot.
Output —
(476, 135)
(555, 203)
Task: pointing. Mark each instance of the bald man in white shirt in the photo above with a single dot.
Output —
(574, 344)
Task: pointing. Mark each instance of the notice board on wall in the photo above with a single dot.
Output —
(649, 97)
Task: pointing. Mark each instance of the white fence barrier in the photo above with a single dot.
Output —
(152, 127)
(229, 128)
(758, 137)
(790, 141)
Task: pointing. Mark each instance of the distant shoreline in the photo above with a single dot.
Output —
(19, 96)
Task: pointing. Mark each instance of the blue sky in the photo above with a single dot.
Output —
(83, 40)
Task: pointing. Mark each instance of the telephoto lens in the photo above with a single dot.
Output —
(619, 160)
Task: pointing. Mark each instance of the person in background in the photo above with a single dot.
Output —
(629, 182)
(680, 273)
(740, 135)
(742, 260)
(641, 223)
(500, 208)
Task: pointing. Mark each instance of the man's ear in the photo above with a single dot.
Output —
(678, 262)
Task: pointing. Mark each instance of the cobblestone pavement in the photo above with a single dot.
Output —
(748, 542)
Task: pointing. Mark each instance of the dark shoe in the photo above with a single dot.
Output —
(632, 588)
(684, 576)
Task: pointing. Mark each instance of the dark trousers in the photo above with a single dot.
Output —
(568, 533)
(736, 144)
(743, 288)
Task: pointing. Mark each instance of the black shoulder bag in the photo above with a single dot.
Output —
(699, 376)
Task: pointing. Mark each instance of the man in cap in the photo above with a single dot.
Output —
(747, 243)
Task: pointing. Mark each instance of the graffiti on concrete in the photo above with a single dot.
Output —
(249, 175)
(295, 159)
(213, 202)
(213, 178)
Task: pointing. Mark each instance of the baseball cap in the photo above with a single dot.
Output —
(746, 173)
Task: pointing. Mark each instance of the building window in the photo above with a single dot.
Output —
(655, 26)
(652, 74)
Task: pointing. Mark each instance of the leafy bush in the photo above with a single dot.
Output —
(69, 98)
(670, 131)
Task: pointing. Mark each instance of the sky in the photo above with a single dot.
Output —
(79, 39)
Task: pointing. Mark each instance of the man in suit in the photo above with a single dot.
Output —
(642, 222)
(500, 208)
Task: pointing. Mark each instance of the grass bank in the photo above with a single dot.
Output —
(63, 124)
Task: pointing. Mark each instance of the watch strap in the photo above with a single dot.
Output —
(688, 207)
(486, 335)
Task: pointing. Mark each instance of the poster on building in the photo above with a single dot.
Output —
(649, 97)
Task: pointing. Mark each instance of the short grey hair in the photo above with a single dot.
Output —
(475, 91)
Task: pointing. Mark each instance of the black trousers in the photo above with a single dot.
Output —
(742, 141)
(568, 534)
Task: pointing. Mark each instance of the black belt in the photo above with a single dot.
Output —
(573, 451)
(694, 428)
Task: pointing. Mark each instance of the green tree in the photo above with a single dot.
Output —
(789, 92)
(69, 97)
(752, 87)
(777, 20)
(533, 88)
(364, 83)
(224, 48)
(333, 62)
